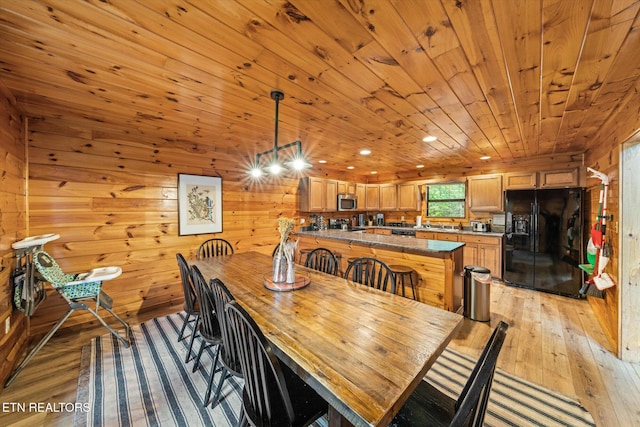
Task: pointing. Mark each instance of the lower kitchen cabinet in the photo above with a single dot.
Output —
(485, 251)
(384, 231)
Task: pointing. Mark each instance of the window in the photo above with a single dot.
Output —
(446, 200)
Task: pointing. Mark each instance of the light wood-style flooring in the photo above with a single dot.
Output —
(552, 340)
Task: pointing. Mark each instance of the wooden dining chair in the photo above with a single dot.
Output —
(229, 351)
(371, 272)
(324, 260)
(208, 327)
(213, 248)
(190, 304)
(428, 406)
(273, 395)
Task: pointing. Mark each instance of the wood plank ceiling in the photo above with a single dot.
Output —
(510, 79)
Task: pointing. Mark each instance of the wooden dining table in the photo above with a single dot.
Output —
(363, 350)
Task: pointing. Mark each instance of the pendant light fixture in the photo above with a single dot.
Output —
(274, 165)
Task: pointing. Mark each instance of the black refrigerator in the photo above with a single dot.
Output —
(544, 240)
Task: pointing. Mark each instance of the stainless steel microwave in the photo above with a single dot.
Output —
(347, 202)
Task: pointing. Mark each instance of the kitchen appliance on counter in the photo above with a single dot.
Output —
(543, 245)
(380, 219)
(347, 202)
(361, 220)
(479, 226)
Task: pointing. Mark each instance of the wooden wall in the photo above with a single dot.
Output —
(13, 223)
(112, 199)
(604, 155)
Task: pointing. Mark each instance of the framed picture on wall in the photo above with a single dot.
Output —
(199, 204)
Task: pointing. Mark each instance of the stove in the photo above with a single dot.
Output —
(404, 231)
(399, 224)
(401, 228)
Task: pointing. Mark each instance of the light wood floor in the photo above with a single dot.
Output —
(552, 340)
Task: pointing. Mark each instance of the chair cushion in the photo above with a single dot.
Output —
(52, 273)
(427, 406)
(80, 290)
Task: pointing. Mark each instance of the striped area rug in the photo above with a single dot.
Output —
(149, 384)
(513, 401)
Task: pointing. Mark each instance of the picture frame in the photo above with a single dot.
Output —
(199, 204)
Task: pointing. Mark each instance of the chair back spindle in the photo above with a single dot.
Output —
(324, 260)
(213, 248)
(373, 273)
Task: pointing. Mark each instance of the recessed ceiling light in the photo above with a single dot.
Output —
(420, 166)
(429, 138)
(365, 152)
(485, 157)
(350, 167)
(373, 172)
(322, 161)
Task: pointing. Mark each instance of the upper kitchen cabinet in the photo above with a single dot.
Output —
(388, 197)
(372, 197)
(345, 187)
(361, 195)
(408, 197)
(559, 178)
(543, 179)
(318, 195)
(520, 180)
(485, 193)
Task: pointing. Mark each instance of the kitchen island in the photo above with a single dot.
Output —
(438, 264)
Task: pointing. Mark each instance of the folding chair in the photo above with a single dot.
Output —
(78, 290)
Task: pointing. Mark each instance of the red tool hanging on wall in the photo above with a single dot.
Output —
(598, 247)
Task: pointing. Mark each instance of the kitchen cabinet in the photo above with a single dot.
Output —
(331, 194)
(544, 179)
(361, 195)
(408, 197)
(449, 237)
(559, 178)
(485, 251)
(346, 187)
(388, 197)
(484, 193)
(470, 254)
(490, 256)
(520, 180)
(372, 197)
(383, 231)
(430, 235)
(318, 195)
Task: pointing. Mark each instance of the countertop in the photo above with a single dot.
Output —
(497, 233)
(468, 232)
(393, 242)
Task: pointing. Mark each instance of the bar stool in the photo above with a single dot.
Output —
(401, 271)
